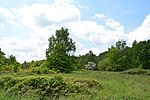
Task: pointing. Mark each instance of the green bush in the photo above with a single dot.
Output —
(47, 88)
(8, 82)
(136, 71)
(90, 83)
(40, 87)
(104, 64)
(7, 68)
(84, 87)
(16, 68)
(42, 70)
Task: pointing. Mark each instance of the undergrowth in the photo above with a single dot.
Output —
(44, 88)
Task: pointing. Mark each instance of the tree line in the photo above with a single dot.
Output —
(60, 56)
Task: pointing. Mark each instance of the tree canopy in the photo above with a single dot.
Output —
(58, 52)
(59, 56)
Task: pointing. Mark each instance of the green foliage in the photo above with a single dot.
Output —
(58, 52)
(116, 86)
(11, 60)
(144, 56)
(10, 68)
(137, 71)
(141, 54)
(91, 57)
(2, 58)
(7, 68)
(84, 59)
(42, 70)
(89, 83)
(119, 56)
(80, 85)
(81, 62)
(104, 64)
(115, 59)
(43, 88)
(59, 60)
(48, 88)
(37, 63)
(102, 55)
(62, 38)
(16, 68)
(25, 65)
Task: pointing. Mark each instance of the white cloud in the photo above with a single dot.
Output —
(41, 15)
(100, 16)
(110, 22)
(43, 19)
(41, 0)
(83, 29)
(114, 24)
(142, 32)
(23, 49)
(6, 17)
(63, 1)
(96, 33)
(83, 7)
(95, 50)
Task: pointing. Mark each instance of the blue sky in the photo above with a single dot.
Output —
(26, 25)
(130, 13)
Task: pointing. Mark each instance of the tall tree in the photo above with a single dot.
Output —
(59, 50)
(11, 60)
(119, 56)
(135, 51)
(61, 37)
(144, 55)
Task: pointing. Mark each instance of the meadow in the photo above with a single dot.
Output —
(114, 85)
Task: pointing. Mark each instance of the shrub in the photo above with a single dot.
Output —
(7, 68)
(48, 88)
(136, 71)
(40, 86)
(42, 70)
(16, 68)
(84, 87)
(8, 82)
(104, 64)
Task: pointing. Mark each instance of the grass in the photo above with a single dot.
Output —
(116, 86)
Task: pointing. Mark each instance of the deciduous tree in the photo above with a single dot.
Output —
(59, 50)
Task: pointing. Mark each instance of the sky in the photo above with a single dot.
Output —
(26, 25)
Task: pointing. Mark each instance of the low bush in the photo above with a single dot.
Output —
(137, 71)
(87, 86)
(90, 83)
(45, 88)
(42, 70)
(40, 87)
(7, 68)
